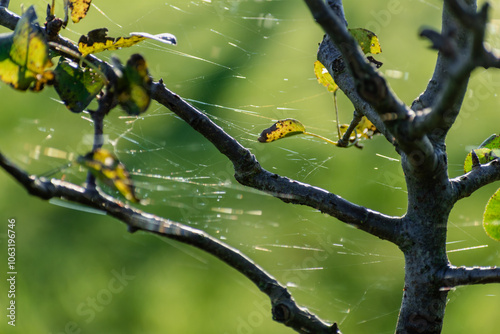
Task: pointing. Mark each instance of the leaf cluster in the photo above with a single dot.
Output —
(27, 62)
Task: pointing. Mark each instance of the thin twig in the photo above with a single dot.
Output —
(465, 185)
(456, 276)
(356, 118)
(337, 115)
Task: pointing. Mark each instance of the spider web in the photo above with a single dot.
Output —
(247, 64)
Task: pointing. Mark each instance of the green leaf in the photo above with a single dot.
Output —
(284, 128)
(76, 86)
(491, 217)
(367, 40)
(133, 88)
(24, 55)
(107, 168)
(487, 151)
(97, 40)
(492, 142)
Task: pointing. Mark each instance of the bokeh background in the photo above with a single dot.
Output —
(246, 64)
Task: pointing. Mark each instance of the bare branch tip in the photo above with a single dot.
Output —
(475, 160)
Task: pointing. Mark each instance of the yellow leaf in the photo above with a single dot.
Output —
(97, 41)
(107, 168)
(368, 42)
(79, 9)
(365, 129)
(24, 55)
(324, 77)
(280, 129)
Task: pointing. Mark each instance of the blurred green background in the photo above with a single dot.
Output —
(245, 63)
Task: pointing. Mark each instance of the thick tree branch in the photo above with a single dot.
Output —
(459, 35)
(371, 87)
(478, 177)
(460, 62)
(455, 276)
(284, 308)
(331, 58)
(249, 173)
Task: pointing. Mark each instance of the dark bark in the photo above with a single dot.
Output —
(419, 138)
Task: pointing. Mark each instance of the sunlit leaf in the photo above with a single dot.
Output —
(365, 129)
(491, 217)
(367, 40)
(98, 41)
(133, 88)
(324, 77)
(79, 9)
(108, 169)
(487, 151)
(24, 55)
(281, 129)
(492, 142)
(76, 86)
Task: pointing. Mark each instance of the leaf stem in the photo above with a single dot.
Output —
(336, 114)
(320, 137)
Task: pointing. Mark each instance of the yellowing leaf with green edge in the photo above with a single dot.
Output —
(324, 77)
(367, 40)
(24, 55)
(491, 217)
(487, 151)
(79, 9)
(98, 41)
(107, 168)
(133, 88)
(281, 129)
(76, 86)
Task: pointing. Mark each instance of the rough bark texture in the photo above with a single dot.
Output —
(419, 136)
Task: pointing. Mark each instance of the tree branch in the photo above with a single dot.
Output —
(284, 308)
(7, 18)
(478, 177)
(331, 57)
(247, 169)
(449, 28)
(371, 87)
(249, 173)
(455, 276)
(344, 141)
(453, 68)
